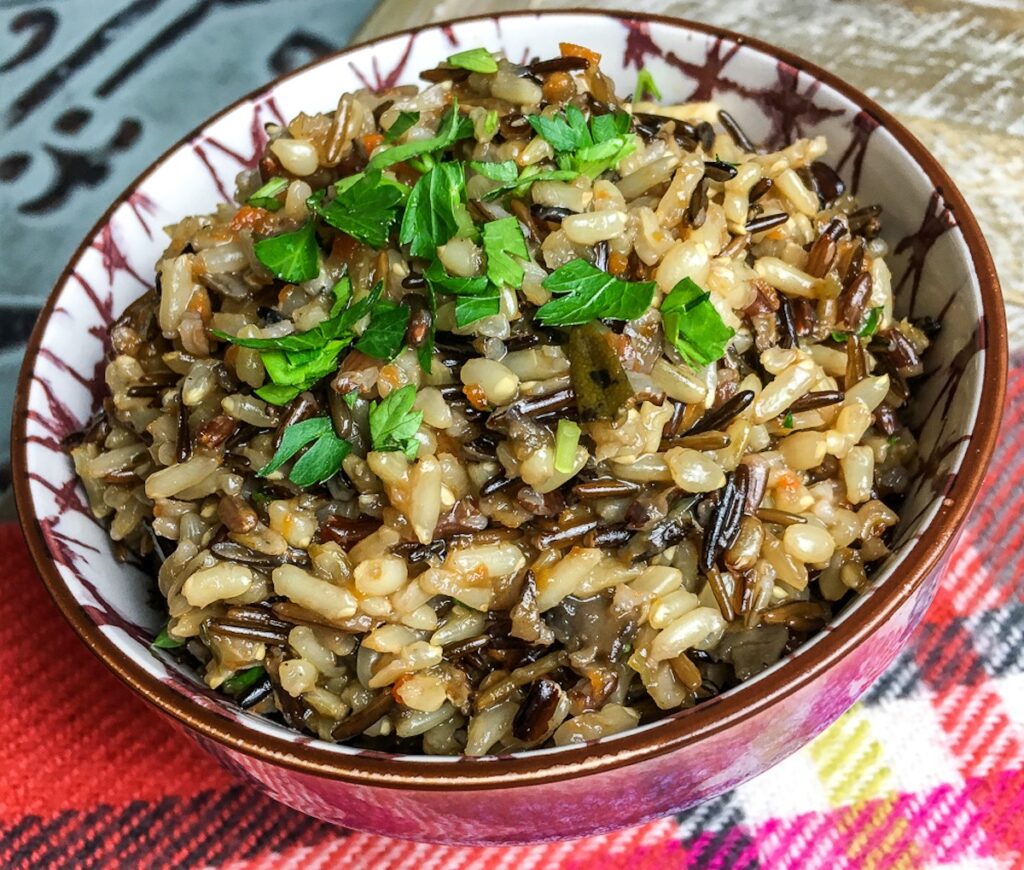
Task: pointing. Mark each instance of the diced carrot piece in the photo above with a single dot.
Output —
(618, 264)
(250, 217)
(371, 141)
(571, 49)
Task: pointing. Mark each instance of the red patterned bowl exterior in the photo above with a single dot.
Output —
(942, 269)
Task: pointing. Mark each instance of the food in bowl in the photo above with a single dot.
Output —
(507, 413)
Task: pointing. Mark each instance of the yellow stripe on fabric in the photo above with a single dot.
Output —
(849, 761)
(882, 839)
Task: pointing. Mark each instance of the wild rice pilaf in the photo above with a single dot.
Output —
(506, 413)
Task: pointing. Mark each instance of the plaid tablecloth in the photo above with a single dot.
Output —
(926, 771)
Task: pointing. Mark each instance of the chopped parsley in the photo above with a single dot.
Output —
(292, 256)
(469, 309)
(320, 462)
(297, 361)
(567, 439)
(645, 86)
(393, 422)
(510, 180)
(787, 421)
(475, 297)
(586, 293)
(693, 325)
(266, 196)
(452, 128)
(587, 149)
(400, 125)
(365, 207)
(383, 336)
(867, 329)
(436, 210)
(503, 240)
(478, 60)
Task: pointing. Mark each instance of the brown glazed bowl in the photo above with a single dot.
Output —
(942, 269)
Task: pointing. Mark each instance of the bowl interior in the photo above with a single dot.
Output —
(933, 273)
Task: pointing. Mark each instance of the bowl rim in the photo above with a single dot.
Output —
(675, 731)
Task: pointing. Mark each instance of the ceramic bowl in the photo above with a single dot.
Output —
(941, 268)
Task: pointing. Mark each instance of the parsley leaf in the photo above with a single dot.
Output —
(436, 210)
(340, 321)
(393, 422)
(693, 324)
(295, 362)
(588, 150)
(502, 240)
(383, 337)
(293, 256)
(364, 209)
(475, 296)
(475, 60)
(469, 309)
(556, 131)
(452, 128)
(455, 284)
(787, 421)
(605, 127)
(592, 160)
(645, 85)
(590, 294)
(506, 171)
(266, 196)
(509, 178)
(402, 123)
(320, 462)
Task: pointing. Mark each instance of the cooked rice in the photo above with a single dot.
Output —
(477, 599)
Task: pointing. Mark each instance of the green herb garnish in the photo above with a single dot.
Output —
(436, 210)
(645, 86)
(787, 421)
(386, 331)
(403, 122)
(293, 256)
(478, 60)
(469, 309)
(589, 150)
(364, 209)
(320, 462)
(297, 361)
(567, 439)
(475, 296)
(693, 325)
(237, 684)
(266, 196)
(586, 293)
(491, 123)
(503, 239)
(867, 329)
(452, 128)
(165, 641)
(393, 422)
(510, 180)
